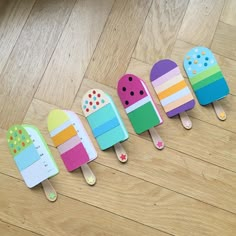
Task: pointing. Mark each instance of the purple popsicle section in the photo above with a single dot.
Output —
(164, 66)
(187, 106)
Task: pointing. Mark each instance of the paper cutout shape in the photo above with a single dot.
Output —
(70, 138)
(205, 75)
(138, 103)
(103, 118)
(171, 88)
(31, 154)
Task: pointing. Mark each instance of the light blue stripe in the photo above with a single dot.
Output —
(105, 127)
(175, 96)
(27, 157)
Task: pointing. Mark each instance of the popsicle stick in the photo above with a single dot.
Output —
(157, 140)
(185, 120)
(49, 191)
(220, 113)
(120, 153)
(88, 174)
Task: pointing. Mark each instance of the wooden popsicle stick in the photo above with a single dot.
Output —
(185, 120)
(157, 140)
(49, 191)
(89, 176)
(120, 153)
(220, 113)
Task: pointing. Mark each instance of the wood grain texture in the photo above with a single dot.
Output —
(160, 30)
(115, 192)
(11, 230)
(13, 15)
(228, 15)
(29, 58)
(73, 53)
(170, 169)
(80, 217)
(200, 21)
(224, 40)
(118, 41)
(52, 52)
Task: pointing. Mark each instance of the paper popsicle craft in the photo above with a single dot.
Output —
(139, 106)
(32, 157)
(206, 78)
(72, 141)
(172, 90)
(105, 121)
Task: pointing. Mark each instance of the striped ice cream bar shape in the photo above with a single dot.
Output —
(31, 154)
(205, 75)
(171, 88)
(70, 138)
(138, 103)
(103, 118)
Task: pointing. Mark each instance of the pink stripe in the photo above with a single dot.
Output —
(69, 144)
(169, 75)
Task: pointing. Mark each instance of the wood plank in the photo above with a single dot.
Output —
(224, 40)
(118, 41)
(66, 216)
(11, 230)
(115, 192)
(228, 15)
(200, 21)
(160, 30)
(30, 57)
(168, 168)
(13, 15)
(73, 52)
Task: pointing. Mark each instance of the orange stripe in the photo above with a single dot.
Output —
(173, 89)
(64, 135)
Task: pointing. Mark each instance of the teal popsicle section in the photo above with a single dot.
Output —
(107, 126)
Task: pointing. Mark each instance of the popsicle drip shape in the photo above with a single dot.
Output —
(171, 88)
(205, 75)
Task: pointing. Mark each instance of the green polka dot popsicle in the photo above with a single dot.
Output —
(32, 156)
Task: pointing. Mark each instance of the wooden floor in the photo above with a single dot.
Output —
(52, 52)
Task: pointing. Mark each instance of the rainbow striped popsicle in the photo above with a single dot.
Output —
(171, 88)
(70, 138)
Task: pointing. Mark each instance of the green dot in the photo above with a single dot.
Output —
(52, 195)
